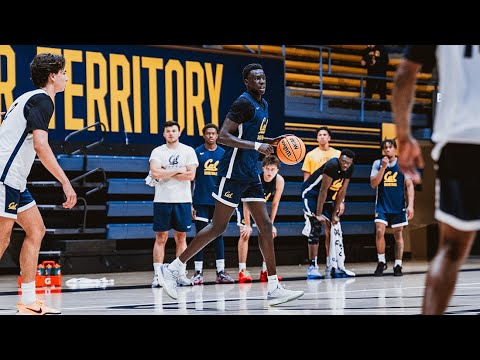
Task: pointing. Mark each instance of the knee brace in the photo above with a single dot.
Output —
(315, 232)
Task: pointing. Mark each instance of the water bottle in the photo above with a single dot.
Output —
(48, 270)
(57, 270)
(40, 270)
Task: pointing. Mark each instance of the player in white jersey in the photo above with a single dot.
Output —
(456, 134)
(174, 165)
(24, 134)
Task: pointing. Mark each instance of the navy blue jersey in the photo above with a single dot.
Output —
(252, 117)
(206, 174)
(311, 187)
(269, 188)
(391, 190)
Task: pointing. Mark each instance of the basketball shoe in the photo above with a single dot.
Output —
(313, 272)
(36, 308)
(224, 278)
(244, 277)
(281, 295)
(264, 276)
(183, 280)
(170, 279)
(197, 279)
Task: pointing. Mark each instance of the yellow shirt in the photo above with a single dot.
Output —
(316, 158)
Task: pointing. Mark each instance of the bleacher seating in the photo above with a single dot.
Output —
(303, 66)
(122, 214)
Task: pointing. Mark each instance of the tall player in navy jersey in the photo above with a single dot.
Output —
(23, 135)
(390, 207)
(209, 155)
(456, 134)
(243, 134)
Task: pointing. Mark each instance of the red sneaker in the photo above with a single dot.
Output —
(264, 277)
(244, 277)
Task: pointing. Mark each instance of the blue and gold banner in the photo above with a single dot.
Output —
(133, 90)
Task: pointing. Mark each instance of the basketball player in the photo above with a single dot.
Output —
(314, 160)
(243, 134)
(209, 155)
(173, 166)
(273, 184)
(322, 195)
(456, 134)
(390, 207)
(23, 135)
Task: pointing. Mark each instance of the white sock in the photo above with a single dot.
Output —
(28, 293)
(272, 282)
(220, 264)
(327, 261)
(156, 268)
(177, 265)
(381, 258)
(398, 262)
(264, 266)
(242, 266)
(198, 266)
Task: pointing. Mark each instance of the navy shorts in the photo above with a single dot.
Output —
(241, 218)
(457, 192)
(13, 202)
(176, 216)
(310, 208)
(204, 213)
(230, 192)
(392, 220)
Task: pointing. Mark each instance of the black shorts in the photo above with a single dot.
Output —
(457, 192)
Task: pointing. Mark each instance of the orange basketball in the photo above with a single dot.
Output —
(291, 150)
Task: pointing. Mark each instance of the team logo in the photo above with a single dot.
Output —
(210, 167)
(12, 206)
(263, 129)
(390, 179)
(173, 160)
(228, 194)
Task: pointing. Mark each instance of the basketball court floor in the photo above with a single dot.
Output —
(130, 293)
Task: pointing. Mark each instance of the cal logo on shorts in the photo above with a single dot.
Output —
(228, 194)
(12, 206)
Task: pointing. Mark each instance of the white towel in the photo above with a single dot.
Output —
(337, 252)
(308, 226)
(150, 181)
(88, 283)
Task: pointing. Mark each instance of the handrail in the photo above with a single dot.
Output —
(84, 176)
(84, 223)
(86, 147)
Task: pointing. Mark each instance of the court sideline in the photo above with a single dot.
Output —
(131, 294)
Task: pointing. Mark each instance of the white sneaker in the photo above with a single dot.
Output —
(183, 280)
(157, 280)
(328, 272)
(281, 295)
(170, 279)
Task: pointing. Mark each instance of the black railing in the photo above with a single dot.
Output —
(84, 149)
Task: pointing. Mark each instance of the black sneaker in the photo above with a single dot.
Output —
(380, 268)
(397, 271)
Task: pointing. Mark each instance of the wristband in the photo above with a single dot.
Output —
(257, 145)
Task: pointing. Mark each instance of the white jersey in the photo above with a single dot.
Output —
(173, 190)
(32, 110)
(457, 117)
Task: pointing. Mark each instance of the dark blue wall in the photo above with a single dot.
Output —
(133, 90)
